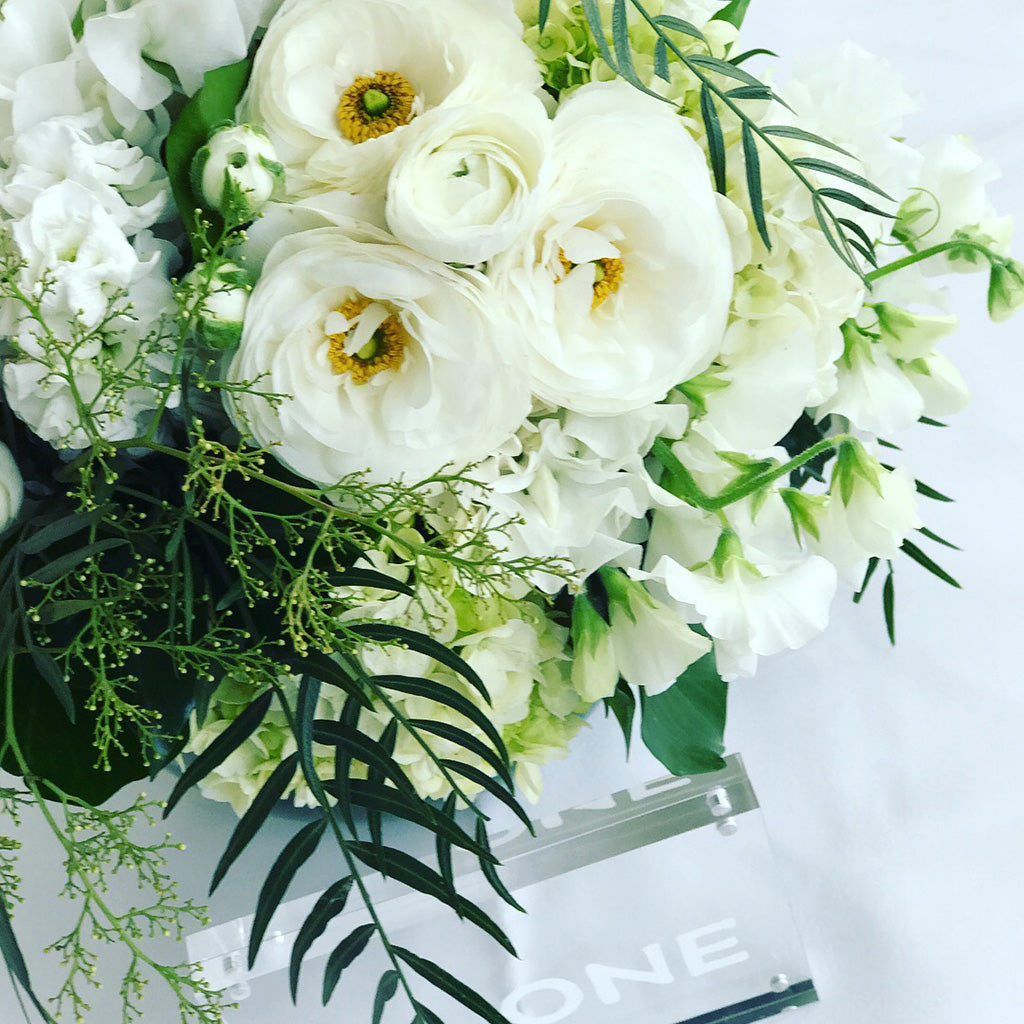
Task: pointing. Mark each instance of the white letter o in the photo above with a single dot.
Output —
(572, 996)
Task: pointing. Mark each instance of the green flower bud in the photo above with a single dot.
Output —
(237, 173)
(221, 313)
(1005, 289)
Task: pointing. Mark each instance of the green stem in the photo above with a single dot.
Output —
(924, 254)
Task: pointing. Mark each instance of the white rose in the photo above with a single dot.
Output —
(468, 181)
(394, 364)
(11, 488)
(335, 82)
(623, 290)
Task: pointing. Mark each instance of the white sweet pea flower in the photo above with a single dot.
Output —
(940, 384)
(468, 181)
(336, 82)
(748, 609)
(391, 362)
(12, 488)
(623, 290)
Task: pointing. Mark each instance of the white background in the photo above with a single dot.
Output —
(892, 780)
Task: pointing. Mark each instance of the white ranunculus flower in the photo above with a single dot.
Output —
(469, 179)
(237, 170)
(335, 82)
(393, 363)
(11, 488)
(623, 290)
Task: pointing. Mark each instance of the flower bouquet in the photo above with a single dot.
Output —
(386, 384)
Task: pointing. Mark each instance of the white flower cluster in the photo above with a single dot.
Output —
(87, 305)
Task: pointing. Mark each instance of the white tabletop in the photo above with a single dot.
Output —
(891, 779)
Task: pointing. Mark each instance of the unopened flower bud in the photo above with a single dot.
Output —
(221, 311)
(237, 172)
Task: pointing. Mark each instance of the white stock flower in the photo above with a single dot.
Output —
(623, 290)
(11, 488)
(467, 184)
(392, 363)
(335, 82)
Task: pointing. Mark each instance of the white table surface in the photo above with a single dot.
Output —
(891, 779)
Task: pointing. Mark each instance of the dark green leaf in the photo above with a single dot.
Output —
(299, 849)
(409, 871)
(827, 167)
(444, 845)
(930, 492)
(328, 906)
(873, 564)
(622, 704)
(53, 571)
(842, 196)
(450, 985)
(684, 725)
(852, 225)
(386, 988)
(467, 740)
(716, 143)
(760, 51)
(593, 16)
(344, 953)
(376, 775)
(422, 644)
(753, 165)
(265, 801)
(51, 672)
(785, 131)
(661, 60)
(620, 40)
(431, 688)
(910, 548)
(543, 10)
(838, 245)
(750, 92)
(58, 530)
(889, 605)
(490, 871)
(424, 1015)
(675, 24)
(363, 748)
(938, 540)
(16, 962)
(734, 12)
(225, 744)
(343, 765)
(305, 710)
(492, 786)
(356, 577)
(215, 102)
(342, 674)
(723, 67)
(929, 422)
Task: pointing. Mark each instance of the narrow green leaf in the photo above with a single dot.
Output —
(827, 167)
(226, 743)
(661, 60)
(344, 953)
(424, 1015)
(853, 226)
(465, 739)
(842, 196)
(57, 530)
(328, 906)
(753, 165)
(929, 422)
(622, 704)
(724, 68)
(838, 246)
(356, 577)
(53, 571)
(873, 564)
(734, 12)
(450, 985)
(492, 786)
(938, 540)
(305, 711)
(750, 92)
(593, 16)
(16, 962)
(329, 671)
(375, 776)
(417, 686)
(379, 632)
(363, 748)
(786, 131)
(716, 143)
(929, 492)
(543, 10)
(410, 872)
(620, 40)
(674, 24)
(253, 819)
(343, 765)
(490, 871)
(760, 51)
(386, 988)
(889, 605)
(910, 548)
(443, 845)
(684, 725)
(298, 850)
(50, 671)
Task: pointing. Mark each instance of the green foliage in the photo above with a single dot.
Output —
(684, 725)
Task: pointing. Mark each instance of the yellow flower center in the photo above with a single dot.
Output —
(384, 351)
(608, 274)
(373, 106)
